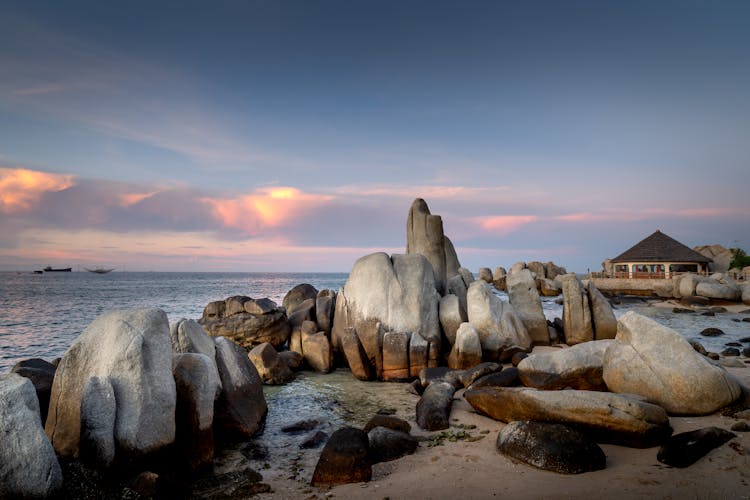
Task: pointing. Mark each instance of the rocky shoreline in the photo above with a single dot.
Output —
(140, 408)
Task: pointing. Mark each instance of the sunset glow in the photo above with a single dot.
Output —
(294, 135)
(20, 188)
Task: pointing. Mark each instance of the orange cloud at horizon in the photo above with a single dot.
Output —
(267, 207)
(20, 188)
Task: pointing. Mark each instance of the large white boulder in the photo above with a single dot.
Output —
(657, 363)
(718, 290)
(524, 297)
(496, 321)
(397, 293)
(28, 465)
(131, 351)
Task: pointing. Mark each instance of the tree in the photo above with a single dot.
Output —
(740, 259)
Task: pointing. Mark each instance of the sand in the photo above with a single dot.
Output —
(475, 470)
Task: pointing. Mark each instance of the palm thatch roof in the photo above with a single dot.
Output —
(660, 248)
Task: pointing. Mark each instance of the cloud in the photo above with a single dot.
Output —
(21, 188)
(502, 225)
(267, 207)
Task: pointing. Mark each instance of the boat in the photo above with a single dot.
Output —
(99, 270)
(50, 269)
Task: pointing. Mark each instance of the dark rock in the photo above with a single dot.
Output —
(271, 368)
(314, 440)
(746, 352)
(389, 422)
(434, 407)
(235, 304)
(303, 312)
(197, 385)
(698, 347)
(469, 376)
(713, 355)
(301, 426)
(733, 344)
(415, 387)
(260, 306)
(518, 357)
(241, 408)
(708, 313)
(325, 304)
(552, 447)
(249, 330)
(42, 374)
(297, 296)
(718, 310)
(292, 359)
(680, 310)
(730, 351)
(215, 310)
(736, 320)
(440, 374)
(345, 459)
(505, 378)
(712, 332)
(745, 339)
(683, 450)
(146, 484)
(695, 300)
(741, 426)
(387, 444)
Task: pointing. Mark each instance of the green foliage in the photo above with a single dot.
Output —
(740, 259)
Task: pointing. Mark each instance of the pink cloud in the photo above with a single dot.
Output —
(501, 225)
(21, 188)
(267, 207)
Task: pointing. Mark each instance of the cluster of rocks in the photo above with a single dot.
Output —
(282, 337)
(696, 289)
(350, 453)
(545, 276)
(619, 391)
(129, 392)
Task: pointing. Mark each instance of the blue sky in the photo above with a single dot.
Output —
(274, 136)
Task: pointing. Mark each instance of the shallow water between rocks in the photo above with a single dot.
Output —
(334, 400)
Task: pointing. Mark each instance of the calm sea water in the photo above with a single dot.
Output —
(41, 314)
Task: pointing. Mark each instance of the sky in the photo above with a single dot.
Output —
(294, 135)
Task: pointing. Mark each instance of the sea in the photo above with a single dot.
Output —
(42, 314)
